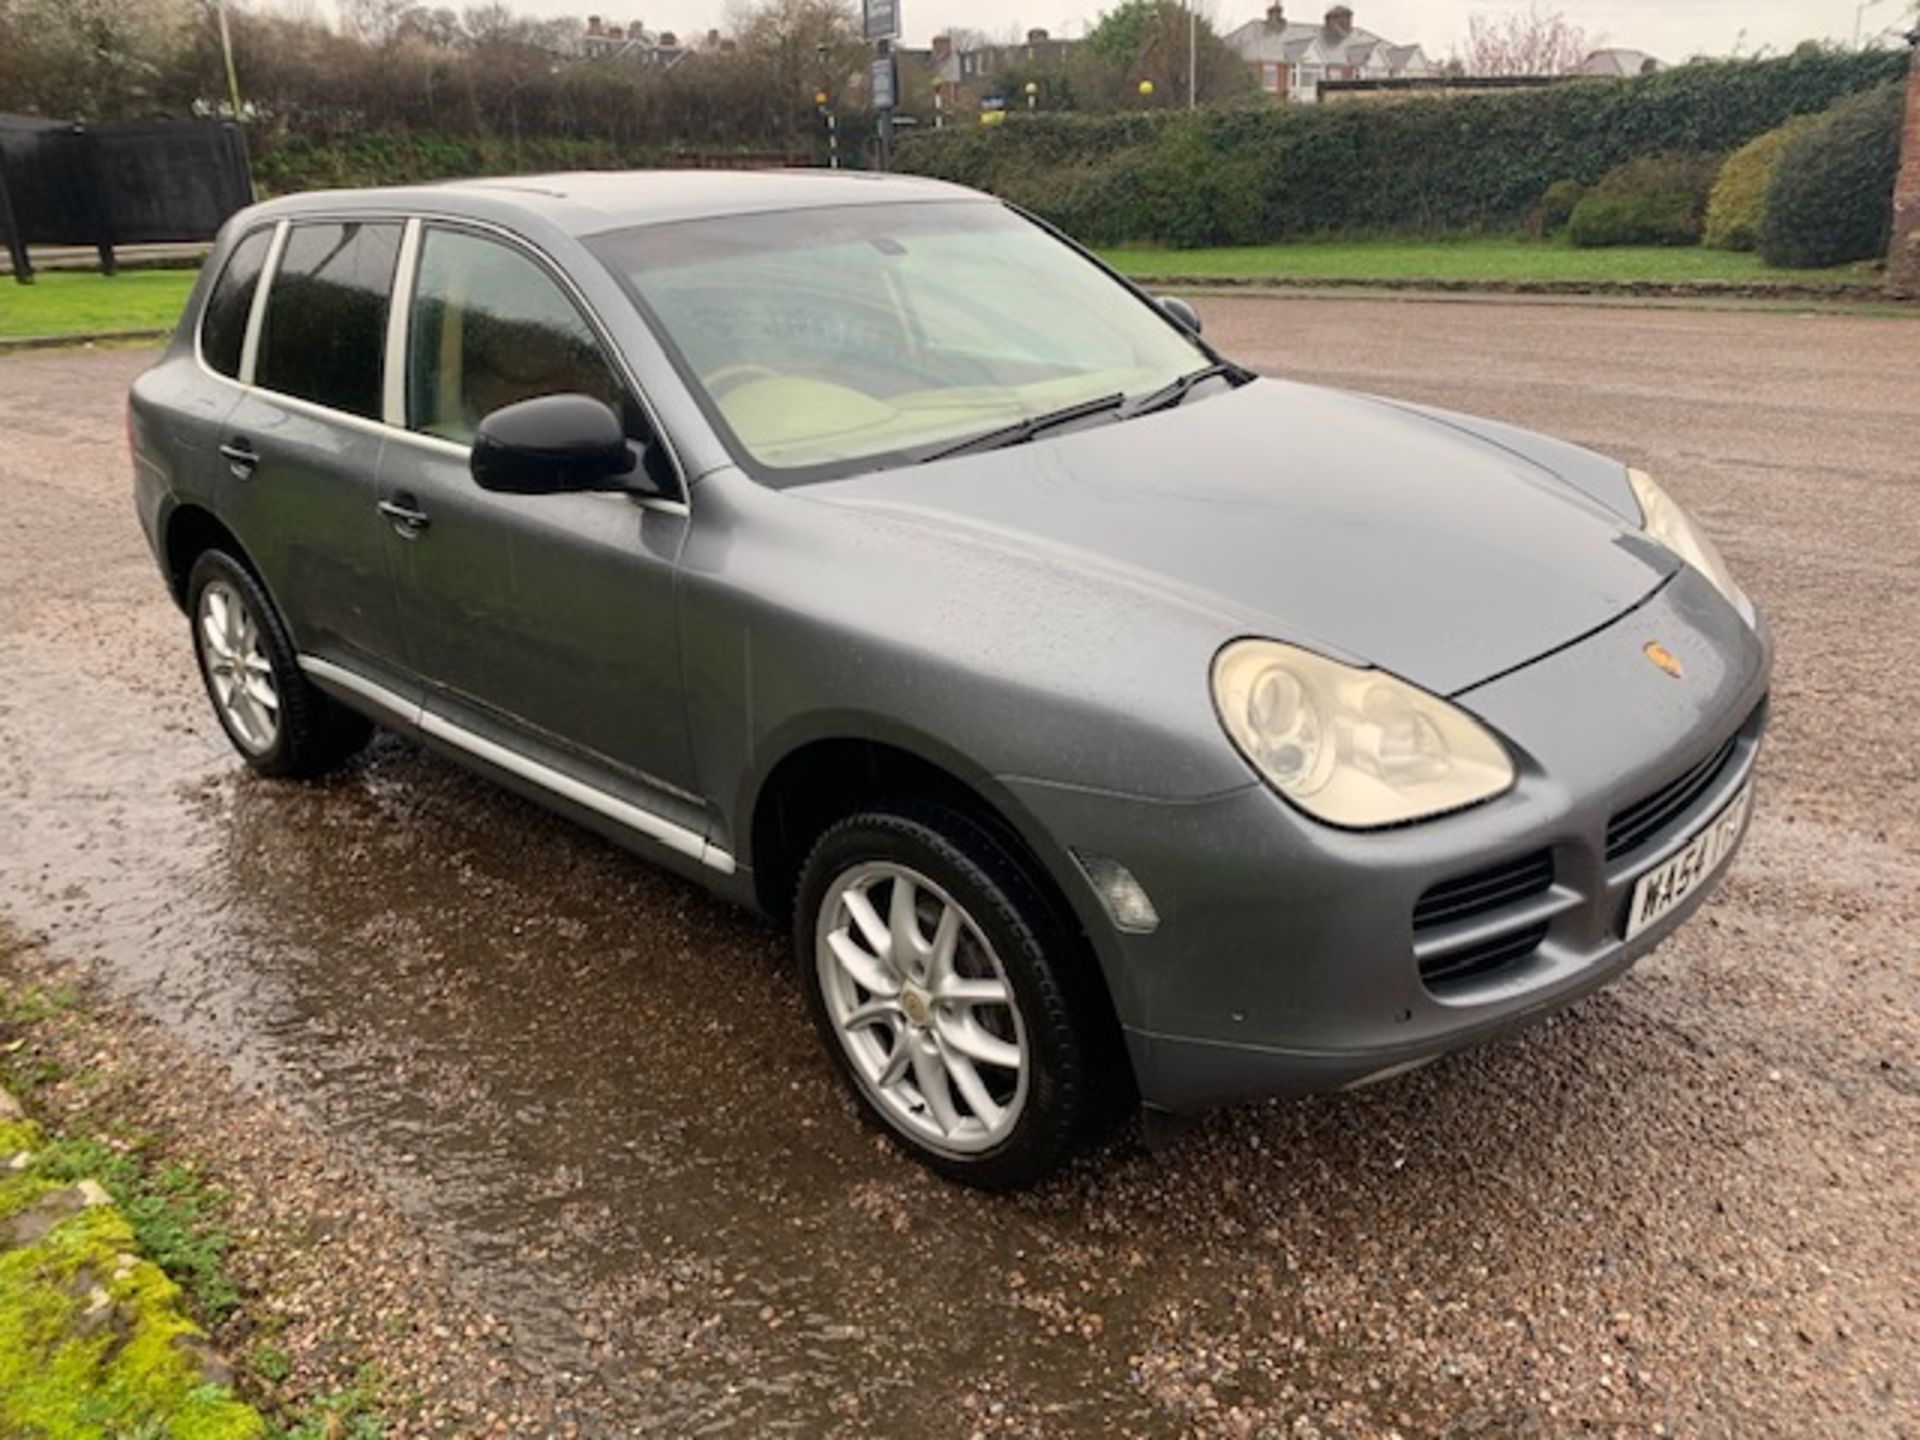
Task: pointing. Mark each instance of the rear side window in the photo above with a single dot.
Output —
(223, 328)
(325, 333)
(491, 328)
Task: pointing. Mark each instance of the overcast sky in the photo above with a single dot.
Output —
(1671, 29)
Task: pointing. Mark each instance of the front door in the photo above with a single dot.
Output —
(545, 622)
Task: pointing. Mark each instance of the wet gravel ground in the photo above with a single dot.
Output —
(1691, 1204)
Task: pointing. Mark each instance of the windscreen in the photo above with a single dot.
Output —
(834, 340)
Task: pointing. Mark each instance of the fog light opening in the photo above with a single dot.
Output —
(1127, 902)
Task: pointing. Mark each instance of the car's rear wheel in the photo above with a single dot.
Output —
(933, 970)
(276, 719)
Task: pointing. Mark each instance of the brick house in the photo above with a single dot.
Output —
(962, 78)
(1291, 58)
(634, 44)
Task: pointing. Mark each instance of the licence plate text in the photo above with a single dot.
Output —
(1666, 886)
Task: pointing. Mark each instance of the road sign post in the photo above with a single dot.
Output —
(881, 20)
(881, 25)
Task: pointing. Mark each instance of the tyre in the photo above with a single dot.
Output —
(276, 719)
(939, 982)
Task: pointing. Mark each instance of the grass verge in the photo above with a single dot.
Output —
(1487, 261)
(134, 1365)
(74, 302)
(94, 1339)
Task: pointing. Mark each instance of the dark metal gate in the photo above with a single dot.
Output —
(138, 183)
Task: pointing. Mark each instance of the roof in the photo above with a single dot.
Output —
(1310, 42)
(590, 201)
(1619, 62)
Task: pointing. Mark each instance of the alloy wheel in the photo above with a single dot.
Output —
(923, 1007)
(238, 671)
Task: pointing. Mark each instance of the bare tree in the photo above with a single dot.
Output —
(1529, 42)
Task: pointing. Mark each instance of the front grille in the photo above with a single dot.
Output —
(1639, 823)
(1471, 897)
(1477, 961)
(1484, 891)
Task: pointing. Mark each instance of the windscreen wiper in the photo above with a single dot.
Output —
(1168, 396)
(1021, 431)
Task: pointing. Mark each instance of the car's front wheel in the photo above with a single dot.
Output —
(280, 724)
(936, 975)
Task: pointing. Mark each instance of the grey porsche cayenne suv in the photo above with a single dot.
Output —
(1107, 724)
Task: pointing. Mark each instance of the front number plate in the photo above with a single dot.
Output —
(1664, 887)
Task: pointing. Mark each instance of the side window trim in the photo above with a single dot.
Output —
(393, 399)
(615, 356)
(257, 316)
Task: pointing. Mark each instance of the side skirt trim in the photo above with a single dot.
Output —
(622, 812)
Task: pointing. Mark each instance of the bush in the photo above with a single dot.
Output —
(1555, 209)
(1739, 199)
(1601, 220)
(1421, 166)
(1654, 200)
(1831, 199)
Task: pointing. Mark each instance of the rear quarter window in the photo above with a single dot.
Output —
(324, 334)
(223, 325)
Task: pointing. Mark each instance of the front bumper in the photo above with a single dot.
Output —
(1288, 956)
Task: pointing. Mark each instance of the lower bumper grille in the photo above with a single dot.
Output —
(1484, 891)
(1477, 962)
(1512, 888)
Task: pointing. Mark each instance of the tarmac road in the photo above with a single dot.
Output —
(1691, 1202)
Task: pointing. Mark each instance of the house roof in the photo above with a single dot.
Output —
(1619, 62)
(1310, 42)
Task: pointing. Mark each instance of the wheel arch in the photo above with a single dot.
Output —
(827, 776)
(188, 532)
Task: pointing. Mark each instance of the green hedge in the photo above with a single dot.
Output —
(1739, 201)
(1425, 166)
(1651, 200)
(1831, 200)
(1555, 209)
(1601, 220)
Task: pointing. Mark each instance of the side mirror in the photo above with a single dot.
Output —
(1184, 315)
(556, 445)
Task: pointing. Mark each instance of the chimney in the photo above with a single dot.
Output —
(942, 49)
(713, 40)
(1339, 22)
(593, 25)
(1036, 37)
(668, 40)
(1277, 17)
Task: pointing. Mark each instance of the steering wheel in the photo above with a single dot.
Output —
(731, 377)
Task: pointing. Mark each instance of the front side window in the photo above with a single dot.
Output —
(223, 326)
(831, 340)
(490, 328)
(324, 334)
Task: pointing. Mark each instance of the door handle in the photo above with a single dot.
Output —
(240, 456)
(404, 512)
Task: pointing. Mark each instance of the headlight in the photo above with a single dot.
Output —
(1355, 748)
(1663, 520)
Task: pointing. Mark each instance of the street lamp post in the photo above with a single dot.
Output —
(1193, 54)
(226, 52)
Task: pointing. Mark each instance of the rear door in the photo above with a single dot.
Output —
(543, 622)
(304, 443)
